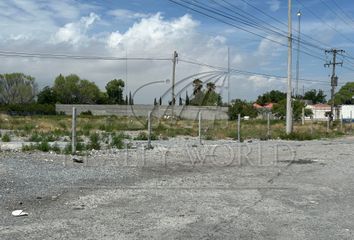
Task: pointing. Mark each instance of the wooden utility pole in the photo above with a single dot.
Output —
(289, 117)
(334, 78)
(73, 132)
(174, 61)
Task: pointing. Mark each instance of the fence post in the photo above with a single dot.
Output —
(341, 122)
(149, 130)
(73, 132)
(268, 125)
(239, 127)
(303, 116)
(311, 125)
(200, 126)
(351, 120)
(328, 124)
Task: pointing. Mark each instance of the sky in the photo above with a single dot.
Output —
(157, 28)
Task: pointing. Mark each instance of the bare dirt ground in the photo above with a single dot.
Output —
(181, 190)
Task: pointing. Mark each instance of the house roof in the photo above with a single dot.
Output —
(319, 106)
(267, 106)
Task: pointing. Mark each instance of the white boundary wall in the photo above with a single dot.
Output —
(140, 110)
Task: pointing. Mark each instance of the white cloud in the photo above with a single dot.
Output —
(151, 36)
(76, 31)
(127, 14)
(153, 32)
(274, 5)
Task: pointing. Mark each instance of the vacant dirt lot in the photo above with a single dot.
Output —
(181, 190)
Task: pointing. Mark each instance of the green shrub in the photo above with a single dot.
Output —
(6, 138)
(300, 136)
(27, 148)
(87, 113)
(144, 136)
(94, 141)
(28, 109)
(117, 141)
(43, 146)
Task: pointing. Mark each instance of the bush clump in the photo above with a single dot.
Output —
(144, 136)
(94, 142)
(6, 138)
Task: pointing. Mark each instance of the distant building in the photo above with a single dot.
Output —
(347, 112)
(321, 111)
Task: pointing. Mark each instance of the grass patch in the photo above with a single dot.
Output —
(6, 138)
(94, 142)
(143, 136)
(42, 146)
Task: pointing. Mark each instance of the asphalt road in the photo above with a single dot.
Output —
(221, 190)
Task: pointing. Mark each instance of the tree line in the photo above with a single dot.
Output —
(19, 89)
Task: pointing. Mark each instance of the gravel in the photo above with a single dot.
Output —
(182, 190)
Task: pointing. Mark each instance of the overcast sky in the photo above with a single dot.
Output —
(155, 28)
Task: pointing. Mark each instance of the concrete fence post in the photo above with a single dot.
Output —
(311, 125)
(200, 126)
(303, 116)
(341, 122)
(268, 125)
(149, 130)
(351, 120)
(73, 131)
(328, 122)
(239, 127)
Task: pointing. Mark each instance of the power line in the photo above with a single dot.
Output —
(231, 24)
(340, 17)
(319, 18)
(282, 23)
(342, 11)
(234, 70)
(79, 57)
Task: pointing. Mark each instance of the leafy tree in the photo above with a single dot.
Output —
(315, 96)
(67, 88)
(242, 107)
(345, 95)
(103, 98)
(187, 102)
(17, 88)
(206, 97)
(131, 101)
(279, 109)
(160, 101)
(73, 90)
(273, 96)
(47, 96)
(114, 90)
(197, 86)
(89, 93)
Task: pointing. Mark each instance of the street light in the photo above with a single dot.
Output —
(298, 52)
(167, 81)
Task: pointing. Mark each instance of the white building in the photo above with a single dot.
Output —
(347, 112)
(321, 112)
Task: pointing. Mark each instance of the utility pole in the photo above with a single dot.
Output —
(228, 75)
(289, 117)
(173, 100)
(298, 53)
(334, 78)
(174, 61)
